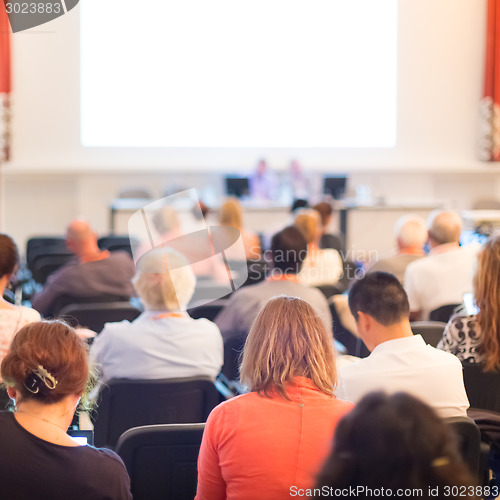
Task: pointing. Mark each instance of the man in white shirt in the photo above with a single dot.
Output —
(399, 360)
(446, 274)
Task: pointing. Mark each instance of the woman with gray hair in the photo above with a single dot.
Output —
(163, 342)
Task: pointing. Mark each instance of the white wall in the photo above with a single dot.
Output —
(441, 53)
(53, 179)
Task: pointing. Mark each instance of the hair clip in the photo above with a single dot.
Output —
(440, 461)
(40, 374)
(31, 384)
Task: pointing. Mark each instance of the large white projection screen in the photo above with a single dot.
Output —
(239, 73)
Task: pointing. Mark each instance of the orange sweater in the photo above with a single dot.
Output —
(258, 447)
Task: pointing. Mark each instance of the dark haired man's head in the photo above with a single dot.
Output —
(289, 249)
(381, 296)
(9, 255)
(298, 203)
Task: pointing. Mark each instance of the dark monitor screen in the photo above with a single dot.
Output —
(334, 186)
(237, 186)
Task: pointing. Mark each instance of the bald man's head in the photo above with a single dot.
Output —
(80, 238)
(445, 226)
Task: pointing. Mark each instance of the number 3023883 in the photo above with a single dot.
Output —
(33, 8)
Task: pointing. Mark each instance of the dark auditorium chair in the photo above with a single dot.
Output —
(443, 313)
(353, 344)
(115, 243)
(161, 460)
(469, 441)
(9, 296)
(45, 265)
(431, 331)
(257, 271)
(329, 290)
(233, 348)
(208, 311)
(483, 388)
(5, 401)
(44, 245)
(125, 403)
(95, 315)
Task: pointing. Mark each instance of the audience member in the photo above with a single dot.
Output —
(399, 360)
(320, 267)
(93, 273)
(395, 443)
(476, 338)
(12, 317)
(260, 444)
(231, 214)
(410, 233)
(288, 251)
(46, 373)
(297, 204)
(446, 274)
(163, 342)
(328, 240)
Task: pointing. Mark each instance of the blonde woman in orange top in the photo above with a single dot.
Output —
(231, 214)
(266, 443)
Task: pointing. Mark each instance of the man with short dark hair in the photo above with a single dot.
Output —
(399, 360)
(288, 249)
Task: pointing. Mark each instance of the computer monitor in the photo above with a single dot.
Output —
(237, 186)
(334, 186)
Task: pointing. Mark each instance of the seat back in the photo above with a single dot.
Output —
(45, 265)
(329, 290)
(233, 348)
(431, 331)
(162, 460)
(115, 243)
(124, 404)
(443, 313)
(353, 344)
(483, 388)
(469, 441)
(43, 245)
(5, 401)
(208, 311)
(95, 315)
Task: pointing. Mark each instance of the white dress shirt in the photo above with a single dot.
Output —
(408, 364)
(157, 346)
(321, 267)
(441, 278)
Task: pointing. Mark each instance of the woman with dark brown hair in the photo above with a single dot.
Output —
(395, 446)
(476, 338)
(46, 372)
(260, 444)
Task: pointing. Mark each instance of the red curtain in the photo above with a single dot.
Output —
(489, 135)
(5, 84)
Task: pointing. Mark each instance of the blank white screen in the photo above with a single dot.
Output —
(248, 73)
